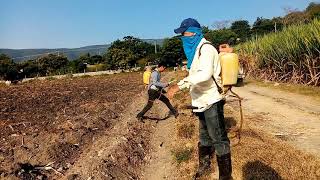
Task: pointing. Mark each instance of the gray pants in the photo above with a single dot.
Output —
(212, 129)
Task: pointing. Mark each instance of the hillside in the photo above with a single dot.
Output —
(19, 55)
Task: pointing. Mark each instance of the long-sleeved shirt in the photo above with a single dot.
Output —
(203, 89)
(154, 81)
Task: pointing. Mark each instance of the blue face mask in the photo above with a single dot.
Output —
(190, 43)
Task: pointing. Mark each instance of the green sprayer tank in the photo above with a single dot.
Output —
(229, 68)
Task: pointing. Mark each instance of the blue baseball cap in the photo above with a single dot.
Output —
(185, 24)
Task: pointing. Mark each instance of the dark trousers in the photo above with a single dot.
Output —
(153, 95)
(212, 130)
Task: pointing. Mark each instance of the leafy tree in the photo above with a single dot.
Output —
(96, 59)
(76, 66)
(277, 21)
(221, 36)
(30, 68)
(85, 58)
(205, 29)
(295, 17)
(172, 51)
(6, 63)
(127, 52)
(5, 59)
(242, 29)
(313, 10)
(262, 26)
(8, 69)
(51, 63)
(120, 57)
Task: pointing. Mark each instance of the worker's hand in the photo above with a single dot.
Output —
(172, 90)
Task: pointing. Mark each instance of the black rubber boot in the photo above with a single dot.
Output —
(225, 167)
(205, 154)
(174, 113)
(140, 118)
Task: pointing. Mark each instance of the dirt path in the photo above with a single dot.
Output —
(160, 164)
(290, 117)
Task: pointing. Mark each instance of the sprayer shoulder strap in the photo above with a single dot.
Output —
(219, 88)
(202, 45)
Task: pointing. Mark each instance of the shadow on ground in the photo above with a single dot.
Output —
(230, 122)
(157, 119)
(258, 170)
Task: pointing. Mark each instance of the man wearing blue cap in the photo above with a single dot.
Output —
(203, 81)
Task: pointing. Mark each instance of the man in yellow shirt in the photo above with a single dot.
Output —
(146, 77)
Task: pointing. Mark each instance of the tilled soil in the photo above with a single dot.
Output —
(47, 126)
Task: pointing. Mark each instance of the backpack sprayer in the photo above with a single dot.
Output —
(229, 75)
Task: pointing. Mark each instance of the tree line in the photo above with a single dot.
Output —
(131, 51)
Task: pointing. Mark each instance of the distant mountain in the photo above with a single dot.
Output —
(19, 55)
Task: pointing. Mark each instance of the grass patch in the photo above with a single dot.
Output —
(179, 96)
(69, 75)
(81, 77)
(84, 76)
(182, 155)
(35, 80)
(50, 78)
(96, 67)
(3, 85)
(186, 131)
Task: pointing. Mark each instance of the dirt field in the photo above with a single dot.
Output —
(55, 129)
(85, 128)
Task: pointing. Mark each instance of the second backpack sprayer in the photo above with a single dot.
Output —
(229, 74)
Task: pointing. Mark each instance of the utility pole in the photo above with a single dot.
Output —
(275, 26)
(155, 46)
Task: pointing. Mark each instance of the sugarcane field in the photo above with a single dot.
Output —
(203, 95)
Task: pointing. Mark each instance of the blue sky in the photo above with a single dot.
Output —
(76, 23)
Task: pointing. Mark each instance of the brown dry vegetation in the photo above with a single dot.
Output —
(259, 154)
